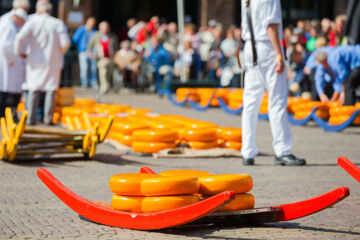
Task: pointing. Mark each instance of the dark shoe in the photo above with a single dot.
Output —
(289, 160)
(248, 161)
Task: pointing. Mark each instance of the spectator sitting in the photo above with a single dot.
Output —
(298, 59)
(190, 60)
(128, 61)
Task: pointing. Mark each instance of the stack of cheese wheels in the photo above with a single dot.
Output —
(220, 93)
(147, 193)
(153, 140)
(293, 101)
(84, 102)
(303, 109)
(230, 137)
(214, 184)
(264, 107)
(339, 115)
(191, 93)
(206, 94)
(122, 130)
(138, 111)
(235, 98)
(201, 138)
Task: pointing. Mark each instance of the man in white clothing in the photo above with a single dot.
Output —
(265, 70)
(23, 4)
(42, 41)
(12, 67)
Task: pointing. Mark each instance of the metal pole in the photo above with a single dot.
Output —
(180, 16)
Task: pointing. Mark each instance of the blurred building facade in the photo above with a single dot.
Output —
(74, 12)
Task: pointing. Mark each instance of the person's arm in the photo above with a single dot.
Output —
(77, 35)
(273, 33)
(64, 38)
(21, 40)
(338, 89)
(319, 79)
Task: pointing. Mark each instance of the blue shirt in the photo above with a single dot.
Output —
(325, 76)
(311, 61)
(81, 38)
(343, 60)
(158, 57)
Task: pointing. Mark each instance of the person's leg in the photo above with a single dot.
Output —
(3, 99)
(49, 106)
(40, 109)
(278, 93)
(33, 100)
(351, 85)
(83, 63)
(104, 85)
(109, 72)
(253, 94)
(93, 73)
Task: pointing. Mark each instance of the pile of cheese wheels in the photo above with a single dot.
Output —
(152, 133)
(203, 95)
(235, 98)
(301, 108)
(340, 114)
(148, 193)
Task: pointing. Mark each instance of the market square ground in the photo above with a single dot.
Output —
(28, 210)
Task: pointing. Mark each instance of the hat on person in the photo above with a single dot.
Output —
(21, 13)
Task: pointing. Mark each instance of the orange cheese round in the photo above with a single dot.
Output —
(203, 135)
(232, 145)
(84, 102)
(203, 145)
(126, 203)
(167, 186)
(155, 135)
(121, 138)
(127, 127)
(242, 201)
(342, 111)
(128, 183)
(185, 173)
(151, 147)
(230, 133)
(138, 111)
(212, 185)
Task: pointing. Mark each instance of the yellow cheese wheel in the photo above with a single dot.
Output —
(138, 111)
(242, 201)
(151, 204)
(336, 120)
(84, 102)
(71, 111)
(167, 186)
(155, 135)
(230, 133)
(121, 138)
(308, 106)
(127, 127)
(212, 185)
(126, 203)
(128, 183)
(199, 124)
(203, 145)
(234, 104)
(202, 135)
(187, 173)
(158, 124)
(151, 147)
(342, 111)
(303, 114)
(232, 145)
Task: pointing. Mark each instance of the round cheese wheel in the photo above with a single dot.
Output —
(127, 127)
(212, 185)
(155, 135)
(336, 120)
(203, 135)
(303, 114)
(151, 204)
(84, 102)
(151, 147)
(308, 106)
(203, 145)
(184, 173)
(71, 111)
(167, 186)
(138, 111)
(126, 203)
(230, 133)
(232, 145)
(342, 111)
(128, 183)
(199, 124)
(242, 201)
(121, 138)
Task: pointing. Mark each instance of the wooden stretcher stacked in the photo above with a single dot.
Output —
(20, 141)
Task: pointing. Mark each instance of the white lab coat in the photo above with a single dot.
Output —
(263, 77)
(6, 16)
(45, 40)
(12, 67)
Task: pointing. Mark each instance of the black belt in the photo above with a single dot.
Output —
(252, 35)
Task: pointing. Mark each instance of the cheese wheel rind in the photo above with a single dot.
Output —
(241, 201)
(212, 185)
(166, 186)
(128, 183)
(159, 204)
(126, 203)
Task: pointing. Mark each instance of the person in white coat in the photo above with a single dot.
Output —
(23, 4)
(43, 41)
(12, 67)
(265, 70)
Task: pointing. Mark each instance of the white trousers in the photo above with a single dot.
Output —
(258, 79)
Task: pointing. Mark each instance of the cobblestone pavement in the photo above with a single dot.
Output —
(28, 210)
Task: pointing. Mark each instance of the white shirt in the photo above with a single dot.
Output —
(12, 67)
(44, 39)
(7, 16)
(263, 13)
